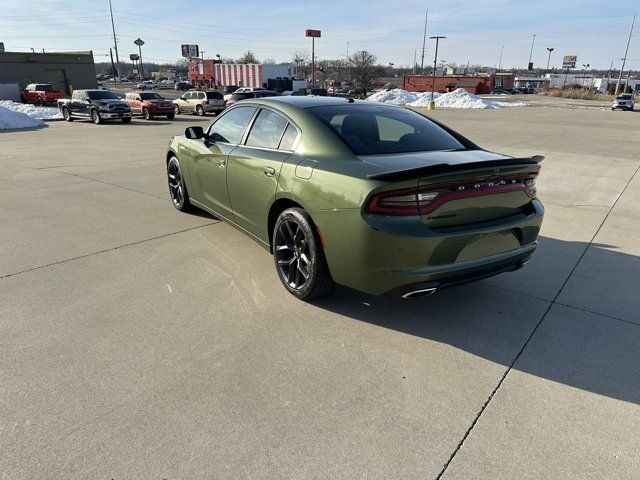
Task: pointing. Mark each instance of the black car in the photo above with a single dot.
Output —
(182, 86)
(500, 91)
(230, 89)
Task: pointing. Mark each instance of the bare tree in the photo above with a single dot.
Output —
(248, 57)
(364, 69)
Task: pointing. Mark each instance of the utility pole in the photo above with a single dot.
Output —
(531, 52)
(432, 103)
(550, 49)
(500, 62)
(113, 67)
(115, 44)
(348, 65)
(424, 40)
(415, 56)
(624, 60)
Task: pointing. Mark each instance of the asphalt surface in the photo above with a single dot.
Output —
(140, 342)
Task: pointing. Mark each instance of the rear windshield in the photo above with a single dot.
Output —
(371, 129)
(214, 96)
(101, 95)
(150, 96)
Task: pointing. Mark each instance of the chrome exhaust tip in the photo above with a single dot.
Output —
(424, 292)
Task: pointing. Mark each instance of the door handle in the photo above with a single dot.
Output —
(222, 164)
(269, 172)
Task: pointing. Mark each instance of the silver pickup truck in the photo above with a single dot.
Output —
(94, 105)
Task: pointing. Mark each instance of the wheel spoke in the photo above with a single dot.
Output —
(303, 272)
(291, 274)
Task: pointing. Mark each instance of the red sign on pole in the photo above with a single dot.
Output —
(312, 33)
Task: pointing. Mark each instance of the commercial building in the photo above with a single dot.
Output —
(65, 70)
(210, 73)
(476, 84)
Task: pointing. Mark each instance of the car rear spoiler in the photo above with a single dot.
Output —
(397, 175)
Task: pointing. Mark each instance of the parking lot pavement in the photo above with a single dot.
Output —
(139, 342)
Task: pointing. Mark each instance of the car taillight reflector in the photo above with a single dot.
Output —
(421, 200)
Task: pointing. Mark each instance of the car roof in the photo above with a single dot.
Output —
(301, 101)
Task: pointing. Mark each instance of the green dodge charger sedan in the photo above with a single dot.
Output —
(375, 197)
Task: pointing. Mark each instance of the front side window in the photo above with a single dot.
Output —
(266, 131)
(44, 88)
(372, 129)
(230, 126)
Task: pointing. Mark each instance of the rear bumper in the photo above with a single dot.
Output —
(471, 272)
(380, 259)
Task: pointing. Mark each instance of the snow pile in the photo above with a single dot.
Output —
(397, 96)
(10, 119)
(424, 99)
(41, 113)
(459, 98)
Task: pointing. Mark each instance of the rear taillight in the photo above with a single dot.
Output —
(421, 200)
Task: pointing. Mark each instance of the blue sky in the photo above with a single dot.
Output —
(596, 31)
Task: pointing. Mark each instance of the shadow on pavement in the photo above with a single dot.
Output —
(573, 347)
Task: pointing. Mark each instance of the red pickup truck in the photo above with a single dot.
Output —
(40, 93)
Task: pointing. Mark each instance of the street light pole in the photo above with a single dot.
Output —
(550, 49)
(432, 103)
(139, 42)
(348, 65)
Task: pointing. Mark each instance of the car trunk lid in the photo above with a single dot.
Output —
(454, 188)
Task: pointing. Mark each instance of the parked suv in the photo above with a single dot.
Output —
(624, 100)
(40, 93)
(200, 102)
(150, 104)
(147, 85)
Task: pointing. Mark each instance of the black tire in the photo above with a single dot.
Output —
(126, 120)
(146, 114)
(178, 111)
(95, 117)
(299, 257)
(200, 111)
(171, 116)
(177, 188)
(40, 102)
(66, 114)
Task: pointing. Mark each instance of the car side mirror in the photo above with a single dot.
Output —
(194, 133)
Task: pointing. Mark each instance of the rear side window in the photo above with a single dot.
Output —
(372, 129)
(289, 138)
(266, 131)
(201, 95)
(230, 127)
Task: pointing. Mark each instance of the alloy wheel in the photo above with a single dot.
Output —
(176, 188)
(293, 255)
